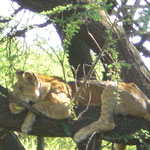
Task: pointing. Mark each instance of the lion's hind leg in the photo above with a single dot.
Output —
(86, 131)
(105, 122)
(109, 101)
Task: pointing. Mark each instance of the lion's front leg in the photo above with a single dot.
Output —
(28, 122)
(54, 108)
(57, 107)
(106, 121)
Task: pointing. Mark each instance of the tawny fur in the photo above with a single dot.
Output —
(51, 96)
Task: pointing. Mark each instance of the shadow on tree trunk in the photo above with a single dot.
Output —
(10, 141)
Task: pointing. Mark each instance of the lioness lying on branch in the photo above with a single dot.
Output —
(52, 95)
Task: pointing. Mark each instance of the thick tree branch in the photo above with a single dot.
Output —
(10, 141)
(66, 128)
(21, 33)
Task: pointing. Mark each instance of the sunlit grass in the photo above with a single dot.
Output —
(30, 143)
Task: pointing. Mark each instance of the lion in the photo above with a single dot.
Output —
(114, 98)
(52, 96)
(47, 94)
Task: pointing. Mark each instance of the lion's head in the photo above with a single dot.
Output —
(29, 89)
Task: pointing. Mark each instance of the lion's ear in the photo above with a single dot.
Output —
(30, 77)
(19, 73)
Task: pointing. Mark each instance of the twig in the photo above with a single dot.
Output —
(90, 140)
(93, 66)
(85, 110)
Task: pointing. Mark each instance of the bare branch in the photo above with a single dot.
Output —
(21, 33)
(4, 20)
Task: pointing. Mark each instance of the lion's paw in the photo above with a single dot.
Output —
(100, 125)
(81, 135)
(15, 109)
(106, 126)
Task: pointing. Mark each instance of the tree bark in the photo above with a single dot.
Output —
(137, 73)
(66, 128)
(10, 141)
(40, 143)
(80, 58)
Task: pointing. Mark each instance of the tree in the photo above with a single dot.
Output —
(95, 31)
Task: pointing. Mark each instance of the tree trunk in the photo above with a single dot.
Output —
(40, 143)
(10, 141)
(80, 58)
(137, 72)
